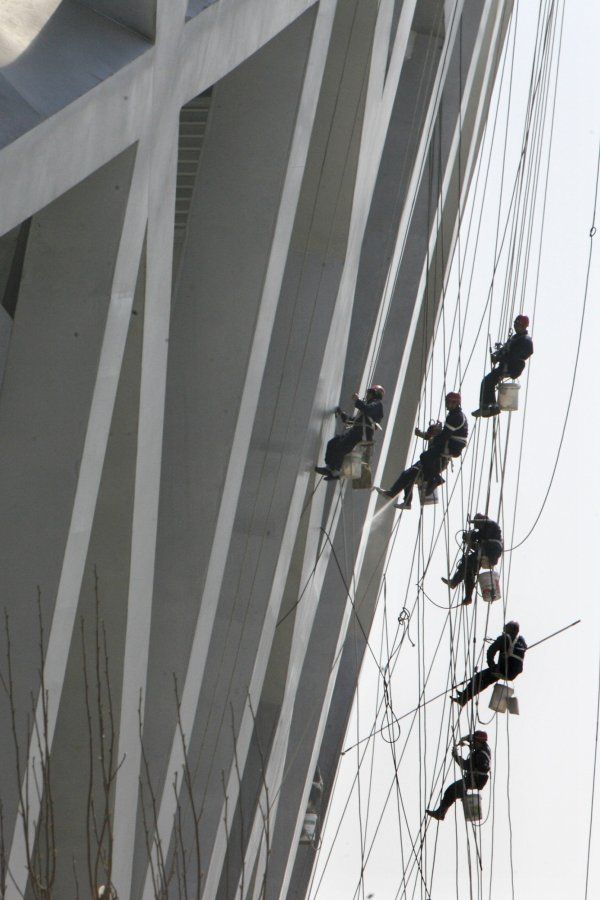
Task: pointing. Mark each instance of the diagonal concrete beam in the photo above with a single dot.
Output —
(243, 432)
(163, 131)
(88, 484)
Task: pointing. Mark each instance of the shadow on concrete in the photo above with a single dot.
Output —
(54, 52)
(196, 6)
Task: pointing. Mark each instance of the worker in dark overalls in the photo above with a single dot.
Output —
(475, 772)
(483, 547)
(510, 647)
(446, 442)
(509, 362)
(316, 792)
(359, 427)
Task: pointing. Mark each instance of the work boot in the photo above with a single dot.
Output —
(467, 601)
(459, 699)
(451, 582)
(322, 470)
(381, 491)
(436, 814)
(332, 476)
(404, 504)
(490, 409)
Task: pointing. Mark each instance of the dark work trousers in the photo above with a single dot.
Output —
(456, 791)
(466, 571)
(340, 445)
(508, 670)
(509, 369)
(431, 463)
(469, 564)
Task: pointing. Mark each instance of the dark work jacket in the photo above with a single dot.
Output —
(479, 760)
(487, 534)
(510, 654)
(518, 347)
(486, 530)
(452, 439)
(360, 420)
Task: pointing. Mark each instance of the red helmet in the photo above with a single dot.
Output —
(480, 736)
(377, 389)
(522, 320)
(453, 397)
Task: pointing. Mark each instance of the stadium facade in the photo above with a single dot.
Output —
(218, 220)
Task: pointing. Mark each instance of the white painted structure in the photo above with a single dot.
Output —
(218, 220)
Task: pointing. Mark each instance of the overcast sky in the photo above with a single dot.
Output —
(552, 580)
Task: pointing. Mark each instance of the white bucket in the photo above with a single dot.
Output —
(508, 396)
(307, 835)
(472, 807)
(489, 585)
(513, 706)
(501, 696)
(431, 499)
(357, 463)
(352, 465)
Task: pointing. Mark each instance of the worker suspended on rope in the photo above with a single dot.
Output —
(446, 442)
(483, 548)
(510, 647)
(316, 792)
(359, 427)
(509, 362)
(475, 772)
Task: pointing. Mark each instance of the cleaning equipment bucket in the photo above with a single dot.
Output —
(508, 396)
(489, 585)
(431, 499)
(501, 696)
(352, 465)
(472, 807)
(307, 835)
(364, 479)
(357, 461)
(512, 705)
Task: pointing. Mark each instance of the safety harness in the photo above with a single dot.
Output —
(455, 438)
(516, 648)
(481, 761)
(361, 419)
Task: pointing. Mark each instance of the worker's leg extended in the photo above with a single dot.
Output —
(338, 447)
(433, 465)
(471, 570)
(404, 482)
(479, 682)
(488, 386)
(451, 795)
